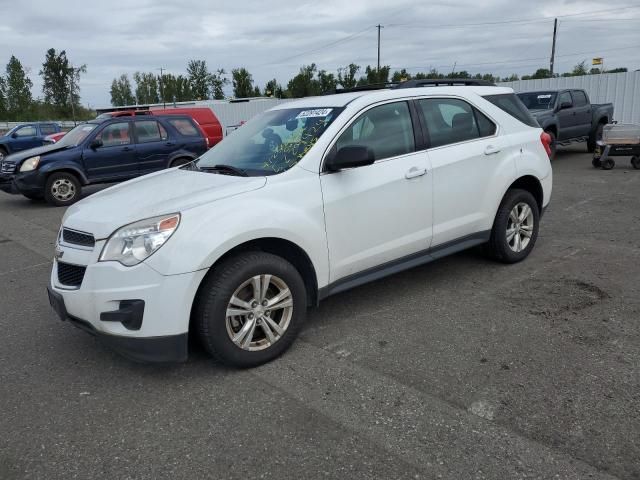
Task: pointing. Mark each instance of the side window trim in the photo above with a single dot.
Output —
(334, 141)
(473, 106)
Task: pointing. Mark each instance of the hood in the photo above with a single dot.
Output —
(32, 152)
(167, 191)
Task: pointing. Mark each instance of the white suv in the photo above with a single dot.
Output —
(306, 200)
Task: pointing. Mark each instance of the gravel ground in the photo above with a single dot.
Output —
(461, 369)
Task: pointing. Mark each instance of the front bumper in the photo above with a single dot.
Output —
(135, 310)
(27, 182)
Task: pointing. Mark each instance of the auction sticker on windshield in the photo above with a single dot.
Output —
(318, 112)
(544, 96)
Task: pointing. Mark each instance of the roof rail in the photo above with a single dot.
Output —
(438, 82)
(369, 86)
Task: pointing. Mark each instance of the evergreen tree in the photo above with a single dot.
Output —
(17, 90)
(242, 83)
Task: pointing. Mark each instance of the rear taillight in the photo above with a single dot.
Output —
(545, 138)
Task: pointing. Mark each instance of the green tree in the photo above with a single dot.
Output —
(256, 91)
(217, 82)
(511, 78)
(304, 84)
(327, 82)
(121, 93)
(147, 90)
(347, 75)
(3, 99)
(373, 75)
(579, 69)
(273, 89)
(400, 76)
(56, 79)
(242, 83)
(541, 73)
(17, 90)
(175, 88)
(199, 79)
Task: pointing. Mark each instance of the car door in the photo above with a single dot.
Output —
(567, 120)
(153, 145)
(468, 157)
(25, 137)
(114, 157)
(381, 212)
(582, 110)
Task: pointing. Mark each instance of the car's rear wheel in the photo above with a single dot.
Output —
(250, 309)
(635, 162)
(3, 153)
(515, 228)
(178, 162)
(62, 189)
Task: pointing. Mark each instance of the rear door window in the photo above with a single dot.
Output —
(565, 97)
(47, 129)
(579, 98)
(149, 131)
(184, 126)
(450, 120)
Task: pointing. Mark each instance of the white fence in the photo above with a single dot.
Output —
(621, 89)
(4, 126)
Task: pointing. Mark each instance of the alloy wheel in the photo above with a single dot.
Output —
(259, 312)
(63, 189)
(520, 227)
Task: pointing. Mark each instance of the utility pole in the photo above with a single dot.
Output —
(164, 105)
(379, 27)
(553, 46)
(72, 78)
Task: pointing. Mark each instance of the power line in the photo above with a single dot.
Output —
(501, 22)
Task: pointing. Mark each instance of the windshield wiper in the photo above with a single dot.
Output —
(225, 170)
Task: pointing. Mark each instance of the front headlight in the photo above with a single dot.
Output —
(137, 241)
(30, 164)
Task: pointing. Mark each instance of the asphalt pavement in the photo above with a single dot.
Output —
(460, 369)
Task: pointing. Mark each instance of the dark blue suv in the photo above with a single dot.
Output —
(105, 151)
(25, 136)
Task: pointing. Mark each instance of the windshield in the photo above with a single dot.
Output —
(272, 142)
(6, 134)
(538, 100)
(77, 135)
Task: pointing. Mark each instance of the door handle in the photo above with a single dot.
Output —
(127, 149)
(490, 150)
(169, 144)
(415, 172)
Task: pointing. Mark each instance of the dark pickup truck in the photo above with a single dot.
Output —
(25, 136)
(568, 116)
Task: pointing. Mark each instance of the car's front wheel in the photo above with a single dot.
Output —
(62, 189)
(515, 228)
(250, 309)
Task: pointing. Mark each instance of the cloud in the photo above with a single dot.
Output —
(268, 37)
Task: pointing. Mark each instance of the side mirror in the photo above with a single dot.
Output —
(565, 105)
(95, 143)
(350, 157)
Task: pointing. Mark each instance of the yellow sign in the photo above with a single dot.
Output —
(596, 61)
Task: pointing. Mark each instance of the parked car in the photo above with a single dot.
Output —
(204, 117)
(54, 137)
(26, 136)
(568, 116)
(101, 151)
(304, 201)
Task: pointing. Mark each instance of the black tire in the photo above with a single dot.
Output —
(635, 162)
(596, 163)
(214, 295)
(553, 145)
(3, 153)
(34, 196)
(53, 193)
(592, 143)
(499, 247)
(178, 162)
(607, 163)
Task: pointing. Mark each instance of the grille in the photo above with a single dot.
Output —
(7, 167)
(70, 275)
(78, 238)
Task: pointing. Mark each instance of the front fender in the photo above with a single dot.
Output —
(49, 168)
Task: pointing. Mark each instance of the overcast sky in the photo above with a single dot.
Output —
(274, 38)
